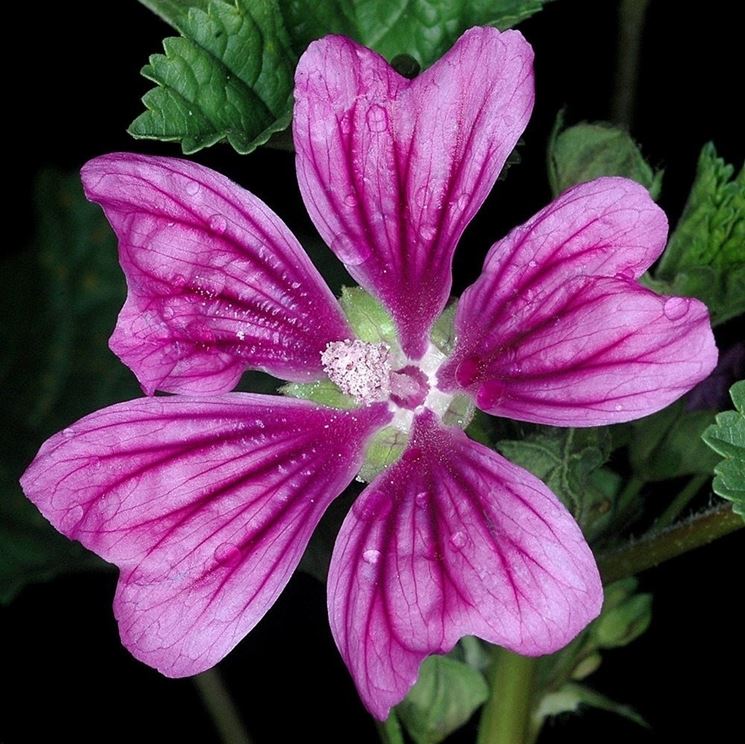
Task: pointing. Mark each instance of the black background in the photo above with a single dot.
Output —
(68, 678)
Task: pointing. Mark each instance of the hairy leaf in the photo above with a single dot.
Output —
(706, 254)
(591, 150)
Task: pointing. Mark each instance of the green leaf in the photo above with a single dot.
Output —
(566, 461)
(423, 29)
(727, 438)
(64, 296)
(668, 444)
(175, 12)
(444, 697)
(625, 616)
(571, 697)
(587, 151)
(228, 77)
(619, 625)
(706, 254)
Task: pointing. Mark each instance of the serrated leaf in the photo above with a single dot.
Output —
(590, 150)
(727, 438)
(565, 460)
(64, 296)
(423, 29)
(668, 444)
(228, 77)
(571, 697)
(174, 12)
(706, 254)
(444, 697)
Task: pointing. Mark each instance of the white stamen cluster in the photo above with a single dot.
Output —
(359, 369)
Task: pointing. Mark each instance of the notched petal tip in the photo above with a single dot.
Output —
(392, 170)
(205, 504)
(216, 282)
(453, 540)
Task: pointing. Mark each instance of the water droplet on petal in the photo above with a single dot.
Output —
(71, 519)
(463, 201)
(421, 499)
(458, 540)
(625, 275)
(349, 251)
(218, 223)
(422, 196)
(619, 407)
(371, 556)
(68, 432)
(350, 200)
(192, 188)
(676, 307)
(489, 394)
(228, 554)
(377, 118)
(108, 505)
(427, 232)
(532, 263)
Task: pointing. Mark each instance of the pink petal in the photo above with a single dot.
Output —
(557, 331)
(205, 504)
(453, 540)
(217, 282)
(392, 170)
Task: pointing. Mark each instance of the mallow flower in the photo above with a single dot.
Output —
(207, 498)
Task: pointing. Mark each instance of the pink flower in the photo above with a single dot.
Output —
(206, 500)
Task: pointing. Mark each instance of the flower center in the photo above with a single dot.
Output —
(409, 387)
(359, 369)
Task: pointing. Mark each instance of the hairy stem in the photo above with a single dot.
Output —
(221, 708)
(657, 547)
(631, 14)
(681, 501)
(505, 718)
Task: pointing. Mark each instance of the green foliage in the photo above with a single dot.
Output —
(587, 151)
(668, 444)
(706, 254)
(572, 696)
(423, 29)
(63, 297)
(626, 615)
(727, 438)
(568, 461)
(445, 696)
(228, 77)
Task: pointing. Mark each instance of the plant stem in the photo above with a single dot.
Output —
(631, 15)
(221, 708)
(676, 506)
(657, 547)
(389, 731)
(506, 715)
